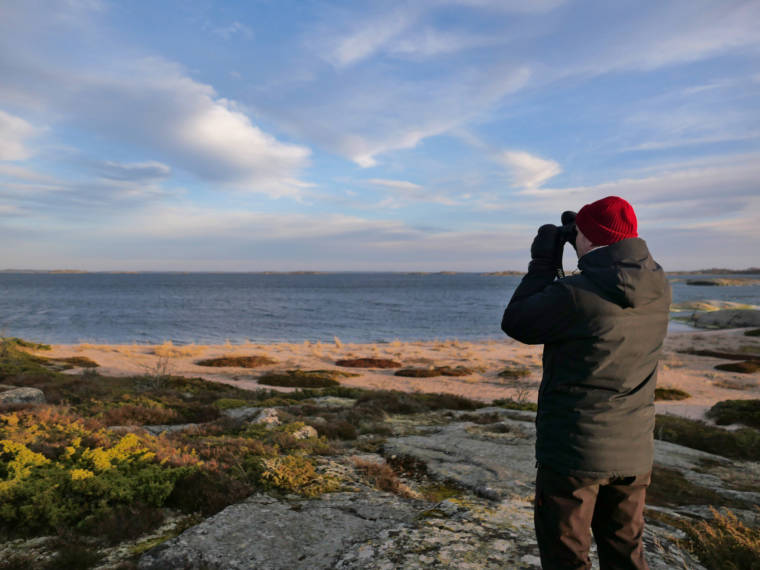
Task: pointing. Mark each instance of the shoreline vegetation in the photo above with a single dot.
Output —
(133, 444)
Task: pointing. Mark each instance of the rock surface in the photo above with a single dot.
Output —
(726, 319)
(15, 395)
(488, 453)
(264, 532)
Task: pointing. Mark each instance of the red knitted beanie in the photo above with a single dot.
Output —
(607, 220)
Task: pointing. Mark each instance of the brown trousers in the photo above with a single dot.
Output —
(566, 507)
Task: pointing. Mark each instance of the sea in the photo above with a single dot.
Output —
(213, 308)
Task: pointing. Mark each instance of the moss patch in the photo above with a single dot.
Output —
(299, 379)
(743, 367)
(238, 361)
(752, 332)
(670, 394)
(745, 412)
(743, 443)
(432, 372)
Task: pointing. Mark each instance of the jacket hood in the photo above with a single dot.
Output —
(625, 273)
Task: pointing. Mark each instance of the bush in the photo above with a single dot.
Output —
(295, 474)
(743, 443)
(745, 412)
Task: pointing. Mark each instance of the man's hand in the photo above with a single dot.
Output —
(545, 244)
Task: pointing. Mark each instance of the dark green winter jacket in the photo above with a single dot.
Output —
(602, 331)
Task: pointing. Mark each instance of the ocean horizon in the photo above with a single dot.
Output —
(69, 306)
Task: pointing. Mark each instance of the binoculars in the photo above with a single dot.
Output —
(567, 234)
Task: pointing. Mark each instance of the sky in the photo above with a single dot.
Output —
(419, 135)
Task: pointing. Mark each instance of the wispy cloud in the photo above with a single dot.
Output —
(15, 133)
(528, 170)
(233, 29)
(394, 184)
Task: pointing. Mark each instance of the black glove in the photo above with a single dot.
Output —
(568, 230)
(544, 247)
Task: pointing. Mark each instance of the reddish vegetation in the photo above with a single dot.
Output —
(239, 361)
(369, 363)
(430, 372)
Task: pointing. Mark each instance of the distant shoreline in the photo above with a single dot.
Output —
(508, 272)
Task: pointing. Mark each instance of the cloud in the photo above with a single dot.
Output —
(134, 172)
(152, 104)
(14, 134)
(529, 171)
(394, 184)
(227, 32)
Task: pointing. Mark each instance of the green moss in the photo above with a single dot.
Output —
(743, 443)
(437, 492)
(670, 394)
(745, 412)
(230, 403)
(752, 332)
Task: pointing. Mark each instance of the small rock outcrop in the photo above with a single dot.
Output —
(17, 395)
(726, 319)
(267, 416)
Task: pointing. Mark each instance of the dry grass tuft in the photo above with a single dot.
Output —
(382, 477)
(170, 350)
(725, 542)
(237, 361)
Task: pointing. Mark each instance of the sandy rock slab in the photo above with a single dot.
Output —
(265, 532)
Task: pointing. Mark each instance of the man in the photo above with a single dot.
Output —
(602, 331)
